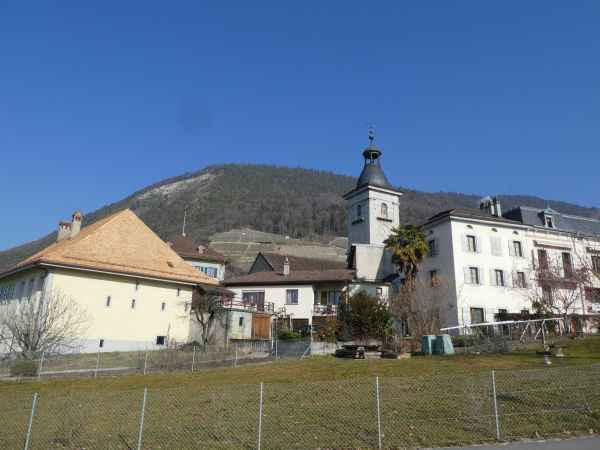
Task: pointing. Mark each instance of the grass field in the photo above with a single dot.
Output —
(320, 402)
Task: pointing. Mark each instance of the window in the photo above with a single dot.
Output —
(477, 315)
(160, 340)
(567, 264)
(137, 286)
(549, 222)
(379, 292)
(241, 322)
(473, 275)
(433, 277)
(256, 298)
(186, 306)
(432, 247)
(178, 292)
(101, 343)
(525, 312)
(520, 281)
(384, 210)
(331, 297)
(291, 297)
(359, 211)
(517, 249)
(210, 271)
(499, 277)
(471, 243)
(163, 306)
(133, 303)
(596, 263)
(543, 259)
(108, 301)
(547, 296)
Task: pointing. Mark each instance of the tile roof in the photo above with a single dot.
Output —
(469, 214)
(295, 277)
(120, 243)
(562, 222)
(297, 263)
(187, 248)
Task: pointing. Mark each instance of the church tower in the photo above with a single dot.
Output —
(372, 208)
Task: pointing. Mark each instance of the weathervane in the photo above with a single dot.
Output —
(371, 133)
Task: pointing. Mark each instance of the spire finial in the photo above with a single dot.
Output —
(371, 133)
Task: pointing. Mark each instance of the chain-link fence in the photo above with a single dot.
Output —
(356, 413)
(188, 358)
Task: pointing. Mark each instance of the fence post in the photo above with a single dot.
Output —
(378, 412)
(193, 358)
(142, 414)
(260, 414)
(30, 425)
(97, 364)
(41, 366)
(145, 361)
(495, 402)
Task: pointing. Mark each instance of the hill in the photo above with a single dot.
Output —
(301, 204)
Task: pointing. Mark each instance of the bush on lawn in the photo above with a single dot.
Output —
(24, 368)
(287, 335)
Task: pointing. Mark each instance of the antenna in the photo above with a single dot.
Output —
(184, 217)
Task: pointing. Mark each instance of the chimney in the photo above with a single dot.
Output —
(497, 207)
(286, 267)
(64, 231)
(491, 205)
(76, 223)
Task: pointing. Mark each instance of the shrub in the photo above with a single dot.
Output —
(24, 368)
(286, 335)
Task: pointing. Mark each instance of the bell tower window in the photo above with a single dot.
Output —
(359, 211)
(384, 210)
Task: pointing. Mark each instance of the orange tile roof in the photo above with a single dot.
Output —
(119, 243)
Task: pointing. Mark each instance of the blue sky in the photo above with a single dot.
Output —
(99, 100)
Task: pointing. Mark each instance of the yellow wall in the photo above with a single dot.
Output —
(121, 326)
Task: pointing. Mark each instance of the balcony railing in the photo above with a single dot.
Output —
(325, 310)
(231, 303)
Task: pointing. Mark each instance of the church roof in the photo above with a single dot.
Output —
(372, 175)
(120, 243)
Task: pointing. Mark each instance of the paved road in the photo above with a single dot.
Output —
(585, 443)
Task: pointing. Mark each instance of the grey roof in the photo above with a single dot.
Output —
(372, 175)
(275, 260)
(562, 222)
(470, 214)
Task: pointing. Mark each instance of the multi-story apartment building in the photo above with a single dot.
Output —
(492, 262)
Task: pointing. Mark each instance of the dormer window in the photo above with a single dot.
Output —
(384, 210)
(549, 222)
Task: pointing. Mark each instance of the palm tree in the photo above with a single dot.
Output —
(409, 247)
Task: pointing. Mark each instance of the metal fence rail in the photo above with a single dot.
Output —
(149, 361)
(357, 413)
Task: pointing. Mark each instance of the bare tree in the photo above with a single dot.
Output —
(559, 286)
(209, 312)
(44, 322)
(419, 304)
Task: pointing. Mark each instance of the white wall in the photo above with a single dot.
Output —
(373, 262)
(453, 258)
(277, 296)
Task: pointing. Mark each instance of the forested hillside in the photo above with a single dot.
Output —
(300, 203)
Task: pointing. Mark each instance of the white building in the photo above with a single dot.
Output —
(202, 257)
(135, 290)
(490, 260)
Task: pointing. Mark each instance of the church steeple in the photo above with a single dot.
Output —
(372, 173)
(372, 208)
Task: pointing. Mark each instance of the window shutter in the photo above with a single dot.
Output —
(496, 244)
(465, 245)
(505, 274)
(481, 276)
(467, 275)
(477, 244)
(511, 249)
